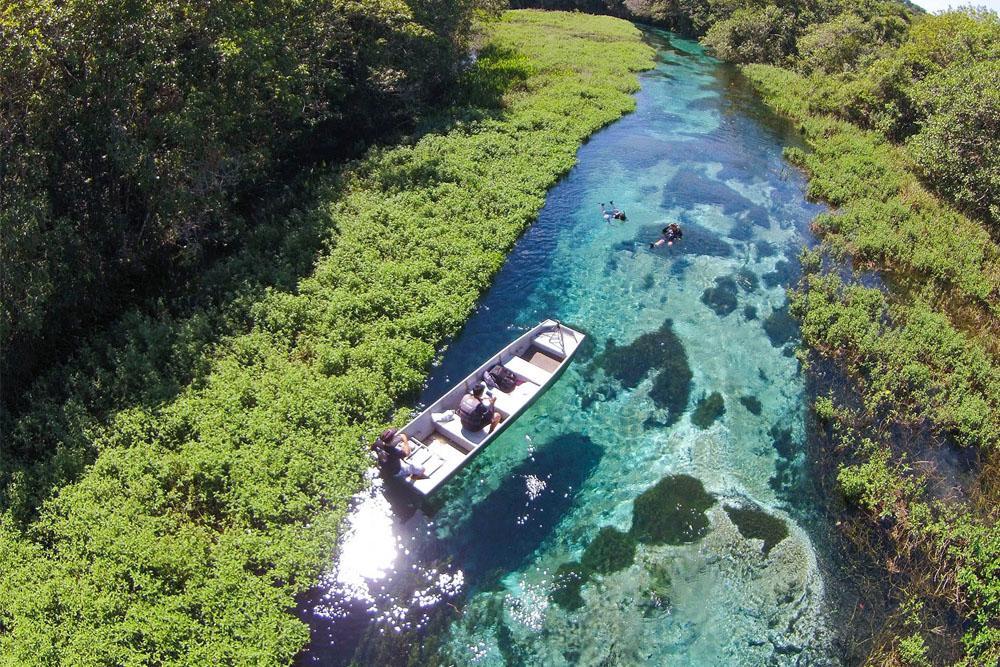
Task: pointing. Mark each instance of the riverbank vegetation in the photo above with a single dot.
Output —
(922, 356)
(917, 433)
(171, 484)
(141, 140)
(905, 136)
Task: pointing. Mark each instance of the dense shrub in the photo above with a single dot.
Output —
(753, 35)
(134, 133)
(177, 531)
(958, 147)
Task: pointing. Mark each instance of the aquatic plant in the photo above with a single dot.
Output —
(672, 511)
(781, 327)
(514, 655)
(751, 403)
(660, 351)
(689, 187)
(569, 578)
(722, 297)
(742, 230)
(647, 282)
(783, 442)
(765, 249)
(784, 274)
(750, 312)
(610, 551)
(755, 523)
(708, 410)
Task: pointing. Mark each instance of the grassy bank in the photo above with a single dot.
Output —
(205, 506)
(922, 355)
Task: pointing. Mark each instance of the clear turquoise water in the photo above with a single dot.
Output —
(471, 579)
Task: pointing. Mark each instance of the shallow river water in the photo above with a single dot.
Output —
(712, 567)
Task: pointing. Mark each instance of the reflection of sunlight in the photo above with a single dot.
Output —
(369, 548)
(367, 571)
(529, 604)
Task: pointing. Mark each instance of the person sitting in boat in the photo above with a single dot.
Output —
(671, 233)
(475, 412)
(392, 448)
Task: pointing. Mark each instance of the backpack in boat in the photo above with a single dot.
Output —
(504, 377)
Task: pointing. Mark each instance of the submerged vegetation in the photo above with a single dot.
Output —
(169, 489)
(708, 410)
(672, 511)
(721, 298)
(660, 352)
(610, 551)
(755, 523)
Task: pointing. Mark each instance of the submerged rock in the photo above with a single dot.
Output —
(755, 523)
(722, 297)
(611, 550)
(672, 511)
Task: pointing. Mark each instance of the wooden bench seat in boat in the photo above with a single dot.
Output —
(422, 456)
(457, 433)
(545, 342)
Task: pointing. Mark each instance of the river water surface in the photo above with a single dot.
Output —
(556, 546)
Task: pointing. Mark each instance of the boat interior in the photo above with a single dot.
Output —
(438, 441)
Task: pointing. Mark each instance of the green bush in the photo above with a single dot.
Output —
(177, 528)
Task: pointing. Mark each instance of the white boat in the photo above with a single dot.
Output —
(438, 441)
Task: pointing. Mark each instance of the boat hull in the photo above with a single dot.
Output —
(442, 446)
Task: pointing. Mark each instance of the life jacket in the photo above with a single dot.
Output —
(473, 413)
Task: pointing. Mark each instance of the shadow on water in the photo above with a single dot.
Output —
(526, 507)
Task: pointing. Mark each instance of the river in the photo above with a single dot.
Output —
(630, 516)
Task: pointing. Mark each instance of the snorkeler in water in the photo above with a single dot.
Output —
(671, 233)
(615, 213)
(607, 216)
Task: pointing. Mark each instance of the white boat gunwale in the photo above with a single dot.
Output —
(445, 447)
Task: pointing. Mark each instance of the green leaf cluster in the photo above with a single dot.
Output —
(135, 135)
(176, 484)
